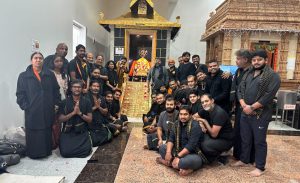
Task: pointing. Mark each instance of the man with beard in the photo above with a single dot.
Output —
(172, 87)
(102, 77)
(243, 61)
(256, 92)
(217, 86)
(201, 82)
(75, 113)
(62, 51)
(165, 123)
(150, 119)
(182, 149)
(79, 68)
(157, 76)
(219, 132)
(172, 70)
(198, 65)
(119, 118)
(180, 60)
(99, 132)
(185, 69)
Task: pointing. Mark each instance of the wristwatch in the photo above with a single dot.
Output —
(81, 114)
(251, 107)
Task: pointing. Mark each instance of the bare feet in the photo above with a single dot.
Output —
(184, 172)
(159, 160)
(145, 147)
(256, 172)
(238, 164)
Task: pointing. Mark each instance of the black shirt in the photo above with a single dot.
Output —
(67, 106)
(219, 89)
(184, 70)
(98, 117)
(81, 72)
(189, 140)
(220, 118)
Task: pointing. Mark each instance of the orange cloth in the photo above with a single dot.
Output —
(36, 73)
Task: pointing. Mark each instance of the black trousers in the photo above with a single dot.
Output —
(254, 130)
(237, 141)
(212, 148)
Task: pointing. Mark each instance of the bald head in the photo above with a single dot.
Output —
(62, 50)
(90, 57)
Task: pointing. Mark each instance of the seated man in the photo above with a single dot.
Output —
(182, 148)
(75, 113)
(165, 123)
(152, 116)
(219, 134)
(118, 118)
(99, 132)
(111, 121)
(172, 87)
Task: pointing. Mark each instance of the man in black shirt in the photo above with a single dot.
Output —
(79, 68)
(61, 50)
(243, 61)
(201, 82)
(99, 131)
(256, 92)
(172, 70)
(217, 86)
(185, 69)
(182, 148)
(219, 134)
(151, 118)
(103, 72)
(198, 65)
(75, 113)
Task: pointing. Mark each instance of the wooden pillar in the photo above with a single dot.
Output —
(284, 49)
(297, 66)
(220, 47)
(211, 48)
(245, 40)
(227, 49)
(207, 50)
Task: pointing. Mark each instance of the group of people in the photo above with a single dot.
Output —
(189, 122)
(74, 105)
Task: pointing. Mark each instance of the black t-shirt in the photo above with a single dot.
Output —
(220, 118)
(184, 70)
(98, 117)
(81, 69)
(67, 106)
(196, 107)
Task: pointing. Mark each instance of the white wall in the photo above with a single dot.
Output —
(49, 22)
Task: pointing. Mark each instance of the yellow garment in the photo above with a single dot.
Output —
(141, 67)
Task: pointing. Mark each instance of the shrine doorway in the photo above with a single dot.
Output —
(272, 51)
(137, 41)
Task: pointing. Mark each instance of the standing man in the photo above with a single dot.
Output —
(181, 150)
(217, 86)
(90, 60)
(185, 69)
(198, 65)
(256, 92)
(38, 95)
(180, 60)
(79, 68)
(122, 69)
(62, 51)
(157, 76)
(103, 72)
(172, 70)
(243, 61)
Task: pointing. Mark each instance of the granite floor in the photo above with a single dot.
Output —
(283, 164)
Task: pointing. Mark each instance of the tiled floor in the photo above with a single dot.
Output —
(283, 164)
